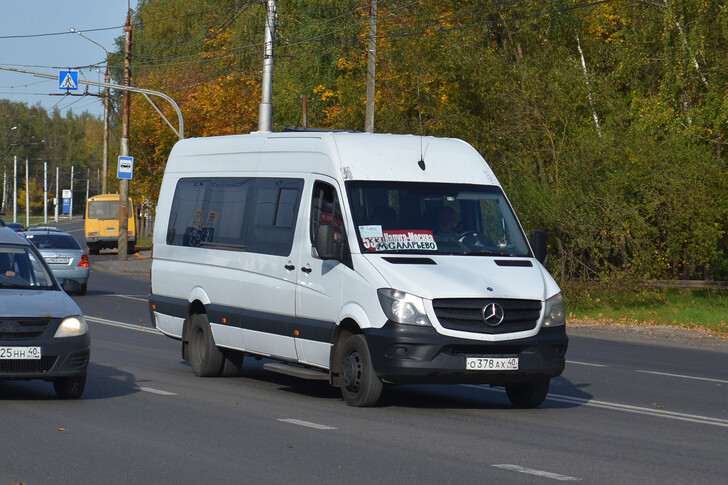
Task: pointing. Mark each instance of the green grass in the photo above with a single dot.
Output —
(699, 308)
(144, 242)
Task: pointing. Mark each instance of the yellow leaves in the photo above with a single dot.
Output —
(323, 92)
(343, 64)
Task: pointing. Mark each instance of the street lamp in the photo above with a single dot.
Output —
(106, 114)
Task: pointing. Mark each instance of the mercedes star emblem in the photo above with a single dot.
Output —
(493, 314)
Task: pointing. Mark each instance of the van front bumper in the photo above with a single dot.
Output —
(403, 354)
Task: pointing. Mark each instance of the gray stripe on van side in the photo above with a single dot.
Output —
(285, 325)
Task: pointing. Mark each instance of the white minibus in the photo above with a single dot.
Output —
(361, 259)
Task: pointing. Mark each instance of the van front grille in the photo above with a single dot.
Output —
(470, 314)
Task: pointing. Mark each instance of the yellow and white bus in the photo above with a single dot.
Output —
(102, 223)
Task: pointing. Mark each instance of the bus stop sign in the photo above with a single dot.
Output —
(125, 168)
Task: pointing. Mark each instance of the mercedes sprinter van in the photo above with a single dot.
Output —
(361, 259)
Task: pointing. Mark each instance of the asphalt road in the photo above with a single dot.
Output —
(623, 412)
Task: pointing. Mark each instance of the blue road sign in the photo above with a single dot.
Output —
(125, 168)
(68, 80)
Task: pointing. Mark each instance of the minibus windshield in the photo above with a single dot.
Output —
(434, 218)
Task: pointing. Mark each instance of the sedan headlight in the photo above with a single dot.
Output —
(402, 307)
(72, 327)
(554, 313)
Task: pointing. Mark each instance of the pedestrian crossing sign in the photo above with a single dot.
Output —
(68, 80)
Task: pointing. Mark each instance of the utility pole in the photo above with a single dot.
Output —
(27, 196)
(371, 67)
(105, 166)
(15, 188)
(5, 184)
(70, 207)
(45, 193)
(107, 78)
(58, 194)
(126, 108)
(265, 110)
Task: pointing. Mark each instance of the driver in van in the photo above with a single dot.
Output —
(446, 224)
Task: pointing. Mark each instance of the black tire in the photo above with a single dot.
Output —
(528, 394)
(70, 387)
(93, 248)
(232, 365)
(360, 385)
(206, 358)
(83, 289)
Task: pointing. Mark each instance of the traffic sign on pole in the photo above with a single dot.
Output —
(68, 80)
(125, 168)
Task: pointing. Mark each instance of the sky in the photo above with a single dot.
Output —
(23, 45)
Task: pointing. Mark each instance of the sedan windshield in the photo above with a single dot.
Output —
(20, 267)
(433, 218)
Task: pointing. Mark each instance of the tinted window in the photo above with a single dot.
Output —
(256, 215)
(275, 207)
(53, 241)
(435, 218)
(21, 268)
(326, 210)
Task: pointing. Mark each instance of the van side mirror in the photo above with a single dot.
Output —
(538, 244)
(325, 244)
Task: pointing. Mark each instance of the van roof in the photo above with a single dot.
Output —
(348, 156)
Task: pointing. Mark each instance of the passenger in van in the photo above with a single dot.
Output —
(445, 228)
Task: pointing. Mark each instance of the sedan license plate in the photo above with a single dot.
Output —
(57, 260)
(20, 353)
(491, 363)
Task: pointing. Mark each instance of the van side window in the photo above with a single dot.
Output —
(275, 210)
(326, 210)
(210, 212)
(236, 213)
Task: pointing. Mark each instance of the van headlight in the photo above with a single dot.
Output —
(554, 313)
(402, 307)
(72, 327)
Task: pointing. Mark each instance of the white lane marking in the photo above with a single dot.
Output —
(127, 326)
(131, 297)
(658, 413)
(682, 376)
(538, 473)
(156, 391)
(306, 424)
(585, 363)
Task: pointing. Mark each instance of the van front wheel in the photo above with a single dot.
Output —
(360, 385)
(205, 358)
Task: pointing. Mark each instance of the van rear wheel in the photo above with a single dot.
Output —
(360, 385)
(528, 394)
(206, 359)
